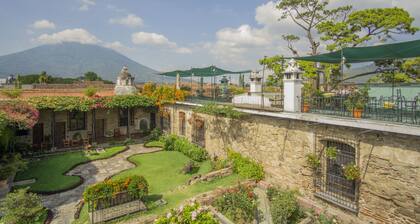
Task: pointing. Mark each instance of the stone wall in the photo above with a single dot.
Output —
(390, 163)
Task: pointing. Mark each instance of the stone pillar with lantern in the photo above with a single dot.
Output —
(292, 90)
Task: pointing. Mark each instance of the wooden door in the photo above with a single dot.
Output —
(60, 134)
(100, 128)
(38, 134)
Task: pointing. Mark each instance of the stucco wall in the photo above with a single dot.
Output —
(390, 163)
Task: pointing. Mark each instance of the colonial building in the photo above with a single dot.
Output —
(67, 129)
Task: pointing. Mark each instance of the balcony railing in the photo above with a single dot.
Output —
(398, 109)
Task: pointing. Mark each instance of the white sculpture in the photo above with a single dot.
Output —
(125, 83)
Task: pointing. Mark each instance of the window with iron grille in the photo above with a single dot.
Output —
(330, 182)
(182, 123)
(199, 133)
(123, 117)
(77, 120)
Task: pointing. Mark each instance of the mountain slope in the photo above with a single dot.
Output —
(73, 60)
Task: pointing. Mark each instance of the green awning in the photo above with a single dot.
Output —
(409, 49)
(210, 71)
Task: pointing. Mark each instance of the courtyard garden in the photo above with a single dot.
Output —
(49, 172)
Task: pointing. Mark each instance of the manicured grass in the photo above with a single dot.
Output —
(158, 144)
(49, 171)
(162, 171)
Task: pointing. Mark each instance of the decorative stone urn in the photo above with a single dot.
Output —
(125, 83)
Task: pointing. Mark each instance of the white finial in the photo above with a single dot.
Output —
(292, 67)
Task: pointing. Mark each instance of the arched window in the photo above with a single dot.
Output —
(331, 184)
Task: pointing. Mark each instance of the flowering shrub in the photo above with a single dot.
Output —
(239, 205)
(175, 143)
(20, 114)
(135, 186)
(189, 214)
(284, 206)
(245, 167)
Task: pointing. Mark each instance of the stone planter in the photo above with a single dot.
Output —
(357, 113)
(99, 216)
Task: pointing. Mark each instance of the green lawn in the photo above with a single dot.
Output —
(162, 171)
(158, 144)
(49, 171)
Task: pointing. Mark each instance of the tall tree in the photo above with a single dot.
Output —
(308, 14)
(44, 78)
(91, 76)
(275, 64)
(364, 25)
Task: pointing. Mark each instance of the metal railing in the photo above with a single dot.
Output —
(391, 109)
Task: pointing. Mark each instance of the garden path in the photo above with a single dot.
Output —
(64, 204)
(263, 206)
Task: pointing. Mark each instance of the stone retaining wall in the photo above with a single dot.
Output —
(390, 163)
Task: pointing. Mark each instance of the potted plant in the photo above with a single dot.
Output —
(306, 105)
(351, 171)
(313, 161)
(356, 102)
(331, 152)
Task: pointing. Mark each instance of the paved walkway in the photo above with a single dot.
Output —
(64, 204)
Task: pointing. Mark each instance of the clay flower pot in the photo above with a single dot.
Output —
(306, 108)
(357, 113)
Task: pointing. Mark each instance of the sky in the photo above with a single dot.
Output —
(165, 34)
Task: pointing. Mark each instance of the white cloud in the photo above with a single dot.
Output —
(130, 20)
(117, 46)
(43, 24)
(85, 4)
(69, 35)
(143, 38)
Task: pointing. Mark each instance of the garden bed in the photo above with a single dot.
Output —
(50, 172)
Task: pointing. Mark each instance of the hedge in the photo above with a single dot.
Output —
(175, 143)
(245, 167)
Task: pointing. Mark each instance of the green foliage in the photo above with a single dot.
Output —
(90, 91)
(236, 90)
(189, 214)
(21, 207)
(313, 160)
(323, 219)
(239, 205)
(134, 185)
(217, 163)
(275, 64)
(190, 167)
(128, 101)
(10, 164)
(91, 76)
(175, 143)
(245, 167)
(61, 103)
(3, 122)
(283, 206)
(219, 110)
(12, 93)
(351, 172)
(155, 134)
(357, 99)
(364, 25)
(331, 152)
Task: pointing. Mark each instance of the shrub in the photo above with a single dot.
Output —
(190, 168)
(351, 172)
(283, 206)
(10, 164)
(190, 214)
(245, 167)
(155, 134)
(219, 110)
(90, 91)
(21, 207)
(313, 160)
(128, 141)
(238, 205)
(12, 93)
(175, 143)
(134, 185)
(217, 164)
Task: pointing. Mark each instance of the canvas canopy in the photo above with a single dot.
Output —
(401, 50)
(210, 71)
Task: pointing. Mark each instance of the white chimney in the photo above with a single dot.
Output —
(292, 87)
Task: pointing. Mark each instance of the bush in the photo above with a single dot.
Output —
(219, 110)
(134, 185)
(245, 167)
(238, 205)
(90, 91)
(21, 207)
(175, 143)
(155, 134)
(12, 93)
(10, 164)
(283, 206)
(190, 214)
(217, 164)
(190, 168)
